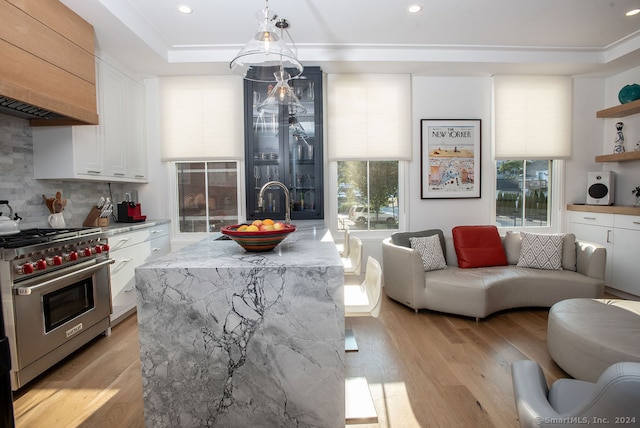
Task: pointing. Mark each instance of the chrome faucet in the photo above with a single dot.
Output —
(287, 207)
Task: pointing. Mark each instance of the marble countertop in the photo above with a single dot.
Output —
(310, 245)
(233, 338)
(116, 228)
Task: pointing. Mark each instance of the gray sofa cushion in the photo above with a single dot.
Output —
(402, 238)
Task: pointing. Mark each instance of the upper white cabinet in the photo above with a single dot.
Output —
(115, 150)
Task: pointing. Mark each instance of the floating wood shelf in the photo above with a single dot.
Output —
(619, 157)
(607, 209)
(622, 110)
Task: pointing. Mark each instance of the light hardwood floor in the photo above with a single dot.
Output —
(424, 370)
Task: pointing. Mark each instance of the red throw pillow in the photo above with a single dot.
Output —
(478, 246)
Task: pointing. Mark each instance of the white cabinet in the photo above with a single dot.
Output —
(620, 234)
(135, 136)
(130, 250)
(115, 150)
(626, 242)
(112, 86)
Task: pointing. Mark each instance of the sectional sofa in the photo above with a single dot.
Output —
(491, 276)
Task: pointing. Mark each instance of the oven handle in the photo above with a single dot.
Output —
(26, 291)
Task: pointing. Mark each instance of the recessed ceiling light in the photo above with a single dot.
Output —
(633, 12)
(414, 8)
(184, 8)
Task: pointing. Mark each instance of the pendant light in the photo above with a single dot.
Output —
(282, 94)
(266, 53)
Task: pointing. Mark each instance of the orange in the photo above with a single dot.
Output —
(251, 228)
(268, 221)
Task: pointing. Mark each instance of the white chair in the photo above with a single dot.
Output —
(363, 299)
(353, 262)
(343, 248)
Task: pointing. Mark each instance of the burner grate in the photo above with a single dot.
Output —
(37, 236)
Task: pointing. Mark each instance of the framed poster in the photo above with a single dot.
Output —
(450, 158)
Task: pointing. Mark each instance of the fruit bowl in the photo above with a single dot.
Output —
(257, 241)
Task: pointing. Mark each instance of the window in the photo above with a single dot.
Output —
(523, 189)
(207, 195)
(368, 195)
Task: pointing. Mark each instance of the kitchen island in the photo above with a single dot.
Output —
(235, 339)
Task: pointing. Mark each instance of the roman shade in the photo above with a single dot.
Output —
(369, 116)
(201, 118)
(532, 117)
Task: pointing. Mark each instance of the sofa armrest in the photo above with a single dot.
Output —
(591, 259)
(403, 274)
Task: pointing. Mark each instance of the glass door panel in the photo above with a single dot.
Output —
(285, 148)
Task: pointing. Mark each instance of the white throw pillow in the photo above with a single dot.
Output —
(541, 251)
(431, 252)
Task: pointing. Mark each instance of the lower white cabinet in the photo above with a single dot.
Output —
(626, 242)
(130, 250)
(620, 234)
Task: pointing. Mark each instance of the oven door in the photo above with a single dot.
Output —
(59, 307)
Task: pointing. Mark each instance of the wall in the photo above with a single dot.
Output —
(156, 196)
(588, 97)
(24, 192)
(451, 98)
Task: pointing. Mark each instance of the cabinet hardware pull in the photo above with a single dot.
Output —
(94, 172)
(157, 249)
(130, 289)
(124, 239)
(118, 174)
(139, 176)
(608, 236)
(636, 222)
(589, 218)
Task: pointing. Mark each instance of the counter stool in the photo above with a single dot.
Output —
(353, 261)
(363, 299)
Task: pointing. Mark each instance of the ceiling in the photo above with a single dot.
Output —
(448, 37)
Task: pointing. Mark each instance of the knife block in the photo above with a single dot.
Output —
(94, 220)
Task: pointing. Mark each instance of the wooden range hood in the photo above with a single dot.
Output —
(47, 66)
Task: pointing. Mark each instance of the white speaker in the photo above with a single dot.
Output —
(600, 188)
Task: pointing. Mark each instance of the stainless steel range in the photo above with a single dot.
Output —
(55, 291)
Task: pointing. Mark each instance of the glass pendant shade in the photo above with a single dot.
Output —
(266, 54)
(280, 95)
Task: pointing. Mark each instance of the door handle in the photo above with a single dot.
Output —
(71, 276)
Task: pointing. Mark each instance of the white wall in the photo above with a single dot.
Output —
(451, 98)
(155, 196)
(588, 97)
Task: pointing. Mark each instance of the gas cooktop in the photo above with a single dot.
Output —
(37, 236)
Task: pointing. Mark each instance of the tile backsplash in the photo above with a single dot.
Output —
(24, 193)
